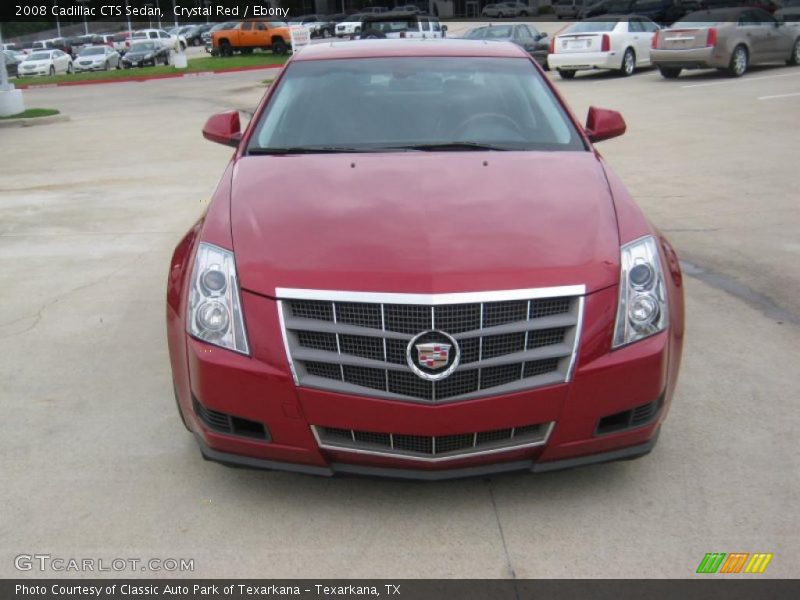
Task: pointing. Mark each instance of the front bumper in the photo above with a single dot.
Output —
(80, 68)
(260, 389)
(584, 61)
(246, 462)
(695, 58)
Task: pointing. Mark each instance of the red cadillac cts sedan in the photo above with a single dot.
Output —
(417, 265)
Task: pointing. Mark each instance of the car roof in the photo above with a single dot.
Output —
(717, 14)
(409, 47)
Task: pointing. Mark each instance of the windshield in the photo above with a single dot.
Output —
(401, 103)
(143, 47)
(92, 51)
(39, 56)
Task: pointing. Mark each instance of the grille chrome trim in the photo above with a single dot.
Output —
(476, 449)
(433, 299)
(535, 330)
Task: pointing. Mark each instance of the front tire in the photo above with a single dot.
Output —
(669, 72)
(794, 59)
(628, 67)
(739, 61)
(70, 69)
(372, 34)
(279, 48)
(564, 74)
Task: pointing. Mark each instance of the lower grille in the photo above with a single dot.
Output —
(225, 423)
(432, 448)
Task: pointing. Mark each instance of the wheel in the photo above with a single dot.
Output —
(70, 69)
(738, 65)
(166, 60)
(279, 48)
(566, 74)
(669, 72)
(795, 58)
(628, 63)
(225, 48)
(372, 34)
(52, 70)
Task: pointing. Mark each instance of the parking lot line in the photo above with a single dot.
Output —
(779, 96)
(744, 80)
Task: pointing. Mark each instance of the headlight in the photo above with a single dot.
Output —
(215, 308)
(642, 307)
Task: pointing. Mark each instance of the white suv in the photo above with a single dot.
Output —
(406, 26)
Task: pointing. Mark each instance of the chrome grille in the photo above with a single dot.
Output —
(432, 448)
(356, 342)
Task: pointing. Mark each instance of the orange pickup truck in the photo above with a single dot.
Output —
(246, 36)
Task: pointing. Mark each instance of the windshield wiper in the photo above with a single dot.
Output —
(306, 150)
(467, 146)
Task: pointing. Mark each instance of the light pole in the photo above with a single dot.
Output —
(174, 15)
(58, 24)
(149, 18)
(130, 29)
(85, 22)
(11, 102)
(158, 8)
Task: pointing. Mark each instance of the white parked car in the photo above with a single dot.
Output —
(161, 37)
(349, 27)
(568, 9)
(45, 62)
(618, 43)
(97, 58)
(509, 9)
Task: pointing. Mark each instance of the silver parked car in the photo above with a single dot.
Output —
(729, 39)
(97, 58)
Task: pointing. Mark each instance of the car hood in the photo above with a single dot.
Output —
(423, 222)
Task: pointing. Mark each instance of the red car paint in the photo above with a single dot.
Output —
(500, 221)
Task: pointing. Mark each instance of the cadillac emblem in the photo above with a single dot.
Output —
(433, 355)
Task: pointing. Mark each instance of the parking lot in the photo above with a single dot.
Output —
(96, 463)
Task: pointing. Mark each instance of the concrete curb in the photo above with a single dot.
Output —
(141, 78)
(7, 123)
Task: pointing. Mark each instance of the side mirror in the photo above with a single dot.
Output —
(224, 128)
(603, 124)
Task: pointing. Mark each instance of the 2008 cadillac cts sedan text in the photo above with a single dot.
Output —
(417, 265)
